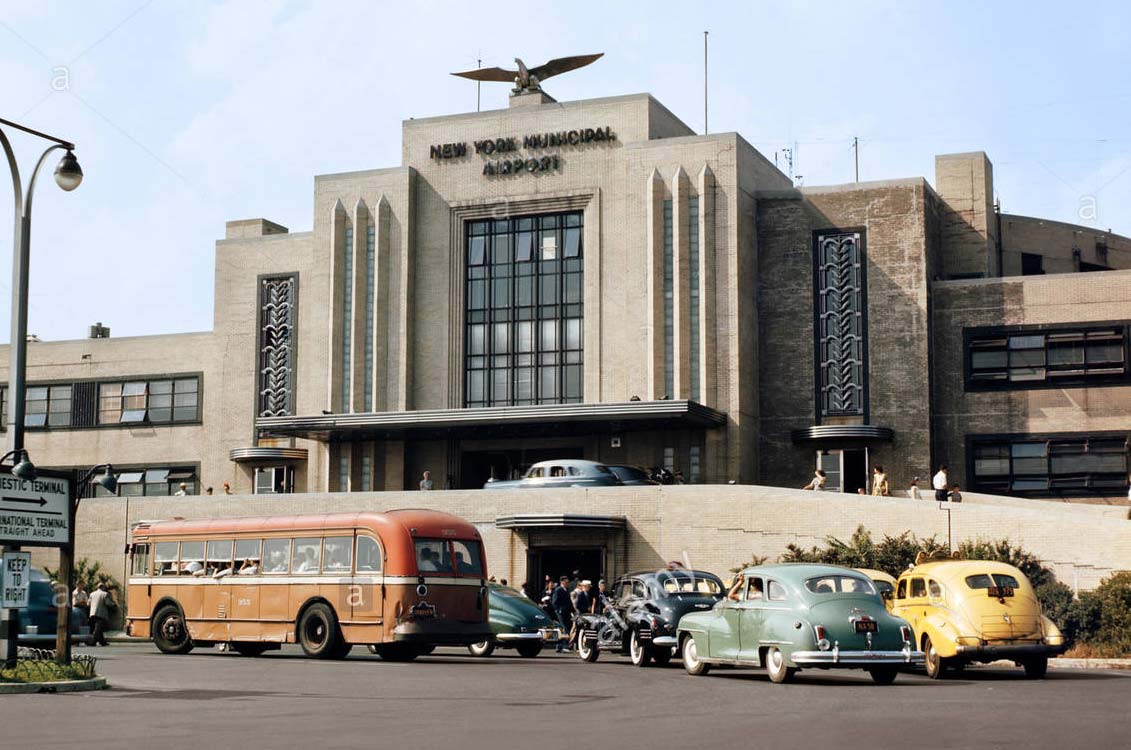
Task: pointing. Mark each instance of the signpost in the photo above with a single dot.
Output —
(15, 579)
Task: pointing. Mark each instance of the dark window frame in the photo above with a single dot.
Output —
(972, 336)
(1056, 484)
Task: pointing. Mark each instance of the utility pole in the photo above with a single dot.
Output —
(705, 128)
(478, 84)
(856, 154)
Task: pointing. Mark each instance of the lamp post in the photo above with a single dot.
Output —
(67, 558)
(68, 176)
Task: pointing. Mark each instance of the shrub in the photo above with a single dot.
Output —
(90, 574)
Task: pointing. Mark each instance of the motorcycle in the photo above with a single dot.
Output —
(606, 630)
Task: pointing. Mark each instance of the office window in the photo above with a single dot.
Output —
(370, 291)
(669, 458)
(165, 401)
(344, 473)
(274, 480)
(3, 408)
(366, 473)
(524, 311)
(693, 281)
(47, 406)
(150, 481)
(669, 303)
(1050, 465)
(693, 465)
(1057, 357)
(347, 318)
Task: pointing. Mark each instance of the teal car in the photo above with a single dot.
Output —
(797, 616)
(517, 623)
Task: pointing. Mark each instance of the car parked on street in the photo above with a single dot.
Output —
(965, 611)
(517, 623)
(792, 616)
(569, 472)
(39, 621)
(646, 609)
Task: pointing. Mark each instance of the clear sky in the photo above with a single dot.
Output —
(189, 114)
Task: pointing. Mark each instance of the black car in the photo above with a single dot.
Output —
(631, 474)
(647, 607)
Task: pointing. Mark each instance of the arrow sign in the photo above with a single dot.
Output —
(30, 500)
(35, 511)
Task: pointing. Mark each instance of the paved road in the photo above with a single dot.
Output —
(451, 700)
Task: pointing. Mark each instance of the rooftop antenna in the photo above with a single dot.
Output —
(705, 128)
(478, 84)
(856, 155)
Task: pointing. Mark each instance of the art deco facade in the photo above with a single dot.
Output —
(593, 279)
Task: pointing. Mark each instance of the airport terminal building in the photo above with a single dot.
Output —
(594, 280)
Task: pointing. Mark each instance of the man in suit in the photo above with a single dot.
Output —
(563, 606)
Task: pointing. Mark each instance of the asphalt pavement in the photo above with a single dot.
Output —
(455, 701)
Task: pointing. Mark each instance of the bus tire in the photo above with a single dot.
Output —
(343, 650)
(170, 632)
(249, 648)
(318, 632)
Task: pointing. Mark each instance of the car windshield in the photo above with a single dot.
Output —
(689, 584)
(986, 580)
(840, 584)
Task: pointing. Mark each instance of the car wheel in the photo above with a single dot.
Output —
(248, 648)
(1036, 667)
(662, 656)
(588, 650)
(884, 675)
(170, 633)
(528, 650)
(318, 632)
(691, 661)
(483, 648)
(935, 664)
(776, 667)
(637, 651)
(396, 652)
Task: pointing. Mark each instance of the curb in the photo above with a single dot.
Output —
(64, 686)
(1063, 663)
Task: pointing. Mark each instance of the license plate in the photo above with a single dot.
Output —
(999, 592)
(865, 626)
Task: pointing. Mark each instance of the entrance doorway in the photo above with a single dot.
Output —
(576, 562)
(476, 467)
(846, 469)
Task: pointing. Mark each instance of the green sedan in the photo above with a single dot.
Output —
(792, 616)
(517, 623)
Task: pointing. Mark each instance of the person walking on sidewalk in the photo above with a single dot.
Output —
(100, 604)
(941, 484)
(880, 482)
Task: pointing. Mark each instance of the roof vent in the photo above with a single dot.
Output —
(99, 331)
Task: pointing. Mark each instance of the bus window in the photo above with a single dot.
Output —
(432, 556)
(336, 552)
(192, 558)
(276, 555)
(141, 560)
(468, 561)
(165, 555)
(247, 557)
(368, 555)
(218, 561)
(306, 555)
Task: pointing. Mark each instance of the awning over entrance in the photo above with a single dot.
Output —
(838, 434)
(496, 421)
(560, 521)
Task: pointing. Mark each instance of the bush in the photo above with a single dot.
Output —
(90, 574)
(892, 555)
(1113, 600)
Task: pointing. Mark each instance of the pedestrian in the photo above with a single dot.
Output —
(547, 599)
(208, 491)
(818, 482)
(563, 608)
(913, 490)
(502, 581)
(426, 482)
(955, 495)
(183, 491)
(861, 491)
(227, 488)
(940, 483)
(601, 598)
(100, 605)
(80, 599)
(879, 482)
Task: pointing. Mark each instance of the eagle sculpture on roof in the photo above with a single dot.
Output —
(529, 79)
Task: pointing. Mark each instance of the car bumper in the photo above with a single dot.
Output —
(548, 635)
(992, 652)
(665, 640)
(840, 658)
(442, 632)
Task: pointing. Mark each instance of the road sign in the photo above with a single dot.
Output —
(15, 579)
(35, 511)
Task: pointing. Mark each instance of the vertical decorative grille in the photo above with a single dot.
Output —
(693, 282)
(840, 327)
(277, 312)
(370, 274)
(669, 301)
(347, 318)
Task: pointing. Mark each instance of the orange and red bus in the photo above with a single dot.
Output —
(400, 582)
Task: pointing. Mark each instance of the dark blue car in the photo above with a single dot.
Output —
(39, 621)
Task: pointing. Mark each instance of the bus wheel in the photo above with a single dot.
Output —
(343, 650)
(249, 648)
(318, 632)
(170, 633)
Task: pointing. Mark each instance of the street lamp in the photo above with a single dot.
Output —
(23, 468)
(68, 176)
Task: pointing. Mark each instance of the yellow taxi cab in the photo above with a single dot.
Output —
(964, 611)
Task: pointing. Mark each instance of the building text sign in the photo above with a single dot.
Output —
(14, 580)
(511, 155)
(35, 511)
